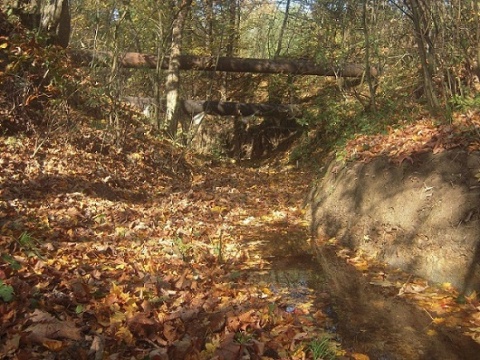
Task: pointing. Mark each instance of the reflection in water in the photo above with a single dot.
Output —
(297, 281)
(357, 315)
(372, 321)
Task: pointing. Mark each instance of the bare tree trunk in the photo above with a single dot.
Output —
(173, 74)
(114, 86)
(232, 28)
(370, 80)
(55, 20)
(209, 25)
(273, 93)
(157, 76)
(477, 37)
(49, 17)
(282, 30)
(424, 47)
(232, 40)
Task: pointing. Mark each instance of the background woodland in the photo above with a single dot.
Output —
(423, 55)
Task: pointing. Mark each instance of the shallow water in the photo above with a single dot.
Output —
(362, 318)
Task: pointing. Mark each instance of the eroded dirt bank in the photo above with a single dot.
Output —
(421, 215)
(371, 318)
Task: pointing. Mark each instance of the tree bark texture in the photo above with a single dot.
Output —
(228, 64)
(173, 73)
(425, 51)
(51, 17)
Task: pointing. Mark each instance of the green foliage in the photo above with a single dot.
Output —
(185, 250)
(6, 292)
(339, 119)
(321, 349)
(464, 103)
(28, 245)
(217, 152)
(14, 264)
(243, 338)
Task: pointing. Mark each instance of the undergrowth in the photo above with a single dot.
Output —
(335, 120)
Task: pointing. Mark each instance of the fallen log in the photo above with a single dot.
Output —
(225, 108)
(227, 64)
(221, 108)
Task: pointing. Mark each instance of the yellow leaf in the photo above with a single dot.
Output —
(472, 296)
(209, 347)
(219, 209)
(116, 289)
(358, 356)
(266, 291)
(431, 332)
(3, 45)
(438, 320)
(118, 317)
(124, 334)
(447, 286)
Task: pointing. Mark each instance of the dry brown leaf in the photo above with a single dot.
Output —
(216, 322)
(228, 349)
(170, 332)
(46, 327)
(53, 345)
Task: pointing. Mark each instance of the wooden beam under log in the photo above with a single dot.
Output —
(227, 64)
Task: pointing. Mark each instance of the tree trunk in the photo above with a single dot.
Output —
(157, 76)
(49, 17)
(55, 20)
(282, 30)
(477, 36)
(173, 75)
(229, 64)
(421, 34)
(370, 80)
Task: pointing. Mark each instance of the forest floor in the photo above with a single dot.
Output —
(148, 252)
(144, 251)
(137, 253)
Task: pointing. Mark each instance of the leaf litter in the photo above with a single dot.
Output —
(148, 252)
(143, 253)
(162, 256)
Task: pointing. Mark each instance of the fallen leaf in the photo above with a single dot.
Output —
(124, 334)
(46, 327)
(53, 345)
(358, 356)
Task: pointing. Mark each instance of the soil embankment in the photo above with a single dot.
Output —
(421, 215)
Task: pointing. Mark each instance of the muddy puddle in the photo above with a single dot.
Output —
(363, 318)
